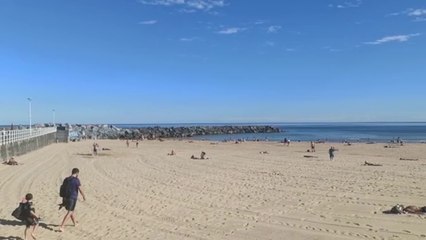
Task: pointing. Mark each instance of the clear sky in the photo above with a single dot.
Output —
(175, 61)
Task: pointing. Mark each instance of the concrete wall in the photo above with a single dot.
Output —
(62, 134)
(25, 146)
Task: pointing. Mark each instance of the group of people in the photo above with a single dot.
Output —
(331, 150)
(70, 190)
(286, 142)
(128, 143)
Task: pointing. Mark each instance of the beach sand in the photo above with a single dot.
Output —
(141, 193)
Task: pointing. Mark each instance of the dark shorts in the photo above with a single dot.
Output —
(70, 204)
(29, 221)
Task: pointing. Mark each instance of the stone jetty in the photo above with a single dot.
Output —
(112, 132)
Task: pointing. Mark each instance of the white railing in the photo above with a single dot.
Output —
(12, 136)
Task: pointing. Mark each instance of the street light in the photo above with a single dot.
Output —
(54, 116)
(29, 105)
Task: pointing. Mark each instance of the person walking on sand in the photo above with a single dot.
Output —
(95, 149)
(29, 217)
(127, 142)
(312, 147)
(137, 144)
(331, 152)
(73, 187)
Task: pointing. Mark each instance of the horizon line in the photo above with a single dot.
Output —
(216, 123)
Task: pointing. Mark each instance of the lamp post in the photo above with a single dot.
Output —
(29, 105)
(54, 116)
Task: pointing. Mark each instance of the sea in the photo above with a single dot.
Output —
(414, 132)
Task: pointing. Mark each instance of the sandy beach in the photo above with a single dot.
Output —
(238, 193)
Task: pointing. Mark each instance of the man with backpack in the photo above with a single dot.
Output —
(69, 192)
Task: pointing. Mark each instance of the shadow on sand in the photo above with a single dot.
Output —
(10, 238)
(85, 154)
(6, 222)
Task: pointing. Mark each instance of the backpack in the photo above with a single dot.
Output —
(18, 213)
(65, 190)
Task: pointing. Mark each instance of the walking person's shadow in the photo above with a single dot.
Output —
(10, 238)
(7, 222)
(10, 223)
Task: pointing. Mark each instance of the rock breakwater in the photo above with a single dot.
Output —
(113, 132)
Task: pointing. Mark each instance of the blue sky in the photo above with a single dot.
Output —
(174, 61)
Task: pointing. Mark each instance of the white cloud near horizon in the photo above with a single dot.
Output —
(259, 22)
(228, 31)
(395, 38)
(190, 5)
(270, 44)
(418, 14)
(347, 4)
(274, 29)
(186, 39)
(148, 22)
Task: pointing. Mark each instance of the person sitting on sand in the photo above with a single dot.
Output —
(11, 162)
(202, 156)
(172, 153)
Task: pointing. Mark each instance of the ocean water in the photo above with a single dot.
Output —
(335, 132)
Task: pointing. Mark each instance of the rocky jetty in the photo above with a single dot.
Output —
(113, 132)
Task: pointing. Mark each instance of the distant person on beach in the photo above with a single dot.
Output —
(202, 156)
(372, 164)
(127, 142)
(29, 217)
(71, 189)
(312, 147)
(95, 149)
(172, 153)
(400, 209)
(137, 144)
(331, 152)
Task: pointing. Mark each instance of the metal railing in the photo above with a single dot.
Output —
(12, 136)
